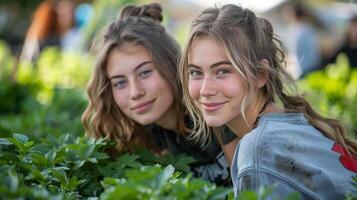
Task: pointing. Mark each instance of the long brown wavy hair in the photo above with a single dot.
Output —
(137, 25)
(247, 39)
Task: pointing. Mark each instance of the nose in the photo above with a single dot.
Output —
(136, 90)
(208, 87)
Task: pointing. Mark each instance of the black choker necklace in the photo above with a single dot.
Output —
(260, 112)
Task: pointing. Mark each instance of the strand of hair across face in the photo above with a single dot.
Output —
(260, 112)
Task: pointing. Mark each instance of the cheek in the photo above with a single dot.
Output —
(120, 98)
(234, 88)
(156, 85)
(194, 88)
(166, 93)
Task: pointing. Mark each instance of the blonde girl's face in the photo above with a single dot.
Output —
(215, 86)
(137, 86)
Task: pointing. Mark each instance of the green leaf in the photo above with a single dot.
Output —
(21, 137)
(264, 192)
(79, 163)
(85, 151)
(294, 196)
(51, 155)
(93, 160)
(180, 162)
(53, 141)
(71, 156)
(247, 195)
(60, 176)
(4, 141)
(221, 193)
(128, 160)
(39, 159)
(73, 183)
(28, 144)
(100, 155)
(18, 144)
(110, 182)
(9, 157)
(124, 191)
(163, 177)
(12, 179)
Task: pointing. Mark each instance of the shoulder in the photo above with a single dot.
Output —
(277, 138)
(288, 150)
(288, 135)
(296, 152)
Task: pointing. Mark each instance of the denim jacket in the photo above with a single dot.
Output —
(284, 150)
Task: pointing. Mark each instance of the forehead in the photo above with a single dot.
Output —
(130, 48)
(205, 51)
(126, 58)
(128, 52)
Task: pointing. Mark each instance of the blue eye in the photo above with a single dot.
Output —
(145, 73)
(120, 84)
(223, 71)
(195, 74)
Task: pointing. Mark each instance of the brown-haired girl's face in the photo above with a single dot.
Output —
(214, 84)
(137, 86)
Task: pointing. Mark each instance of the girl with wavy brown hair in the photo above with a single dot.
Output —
(135, 96)
(233, 77)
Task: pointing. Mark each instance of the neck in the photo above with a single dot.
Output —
(241, 126)
(168, 120)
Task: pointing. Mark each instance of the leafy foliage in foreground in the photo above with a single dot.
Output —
(80, 168)
(72, 168)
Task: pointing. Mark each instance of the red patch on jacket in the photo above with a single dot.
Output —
(346, 159)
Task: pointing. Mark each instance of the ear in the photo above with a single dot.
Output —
(263, 73)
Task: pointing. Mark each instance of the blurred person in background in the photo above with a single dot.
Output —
(42, 32)
(53, 24)
(349, 46)
(304, 45)
(66, 24)
(71, 20)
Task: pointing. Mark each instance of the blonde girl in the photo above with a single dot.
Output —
(233, 76)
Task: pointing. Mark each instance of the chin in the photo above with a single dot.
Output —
(214, 122)
(145, 121)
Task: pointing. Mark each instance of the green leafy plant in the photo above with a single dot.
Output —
(353, 194)
(333, 91)
(71, 167)
(153, 182)
(45, 96)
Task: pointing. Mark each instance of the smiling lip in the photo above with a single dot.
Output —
(142, 107)
(210, 107)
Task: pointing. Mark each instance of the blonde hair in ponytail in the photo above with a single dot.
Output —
(247, 39)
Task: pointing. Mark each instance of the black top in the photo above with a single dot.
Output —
(210, 162)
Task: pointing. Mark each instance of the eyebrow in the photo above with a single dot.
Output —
(213, 65)
(135, 69)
